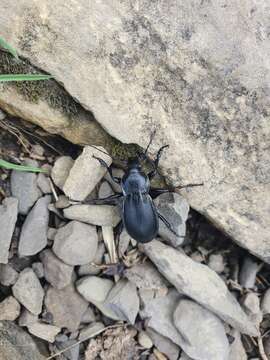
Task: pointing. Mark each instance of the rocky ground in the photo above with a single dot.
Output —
(72, 288)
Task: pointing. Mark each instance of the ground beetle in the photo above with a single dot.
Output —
(139, 215)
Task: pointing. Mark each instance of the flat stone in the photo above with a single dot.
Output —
(15, 343)
(28, 291)
(91, 269)
(88, 316)
(85, 173)
(204, 333)
(174, 208)
(94, 289)
(66, 306)
(9, 309)
(199, 283)
(44, 331)
(33, 236)
(27, 318)
(56, 272)
(8, 275)
(237, 350)
(216, 263)
(61, 169)
(76, 243)
(101, 215)
(43, 183)
(105, 190)
(248, 272)
(159, 315)
(24, 187)
(146, 276)
(265, 303)
(72, 350)
(90, 330)
(8, 218)
(123, 300)
(164, 345)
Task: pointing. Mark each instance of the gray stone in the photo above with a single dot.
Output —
(124, 300)
(174, 208)
(61, 169)
(237, 350)
(146, 276)
(28, 291)
(265, 303)
(90, 330)
(91, 269)
(94, 289)
(2, 115)
(8, 218)
(56, 272)
(85, 173)
(216, 263)
(9, 309)
(8, 275)
(33, 236)
(51, 233)
(27, 318)
(38, 269)
(159, 313)
(88, 316)
(105, 190)
(199, 283)
(66, 307)
(204, 333)
(76, 243)
(145, 340)
(44, 331)
(73, 352)
(24, 187)
(15, 343)
(43, 183)
(62, 202)
(124, 241)
(248, 272)
(101, 215)
(251, 305)
(164, 345)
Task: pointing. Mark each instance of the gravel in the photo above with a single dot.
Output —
(8, 275)
(28, 291)
(8, 218)
(34, 230)
(9, 309)
(76, 243)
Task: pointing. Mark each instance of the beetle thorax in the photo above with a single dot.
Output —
(135, 181)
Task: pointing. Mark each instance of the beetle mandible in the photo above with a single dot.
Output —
(139, 214)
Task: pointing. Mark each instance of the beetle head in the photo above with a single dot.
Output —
(134, 163)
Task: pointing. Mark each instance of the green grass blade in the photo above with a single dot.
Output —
(23, 77)
(11, 166)
(9, 48)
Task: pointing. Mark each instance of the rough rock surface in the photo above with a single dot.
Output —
(34, 230)
(56, 272)
(28, 291)
(24, 187)
(204, 333)
(8, 218)
(9, 309)
(197, 70)
(66, 307)
(8, 275)
(44, 331)
(85, 173)
(76, 243)
(17, 344)
(199, 283)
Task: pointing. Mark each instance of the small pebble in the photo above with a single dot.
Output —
(44, 331)
(144, 340)
(8, 275)
(265, 303)
(9, 309)
(251, 304)
(61, 169)
(248, 272)
(216, 263)
(38, 269)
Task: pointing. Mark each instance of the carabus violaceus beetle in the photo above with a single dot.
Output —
(139, 215)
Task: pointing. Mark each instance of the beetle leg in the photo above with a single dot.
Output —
(169, 226)
(153, 133)
(110, 200)
(154, 192)
(103, 163)
(156, 162)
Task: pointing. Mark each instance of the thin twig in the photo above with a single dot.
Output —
(261, 349)
(81, 341)
(53, 190)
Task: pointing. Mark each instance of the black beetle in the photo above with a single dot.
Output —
(139, 215)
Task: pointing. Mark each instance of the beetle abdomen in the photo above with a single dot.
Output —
(140, 217)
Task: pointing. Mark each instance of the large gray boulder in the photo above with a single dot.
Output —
(196, 70)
